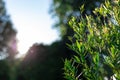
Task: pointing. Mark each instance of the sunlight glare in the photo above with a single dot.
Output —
(32, 21)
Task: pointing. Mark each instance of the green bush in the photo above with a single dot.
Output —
(96, 42)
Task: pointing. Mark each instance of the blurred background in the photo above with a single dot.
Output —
(33, 37)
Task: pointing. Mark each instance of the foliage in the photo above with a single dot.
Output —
(96, 42)
(8, 43)
(4, 70)
(8, 40)
(64, 9)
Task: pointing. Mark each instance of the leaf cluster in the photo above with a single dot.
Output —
(96, 43)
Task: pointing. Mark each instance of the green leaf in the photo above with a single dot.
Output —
(82, 8)
(78, 45)
(96, 58)
(77, 59)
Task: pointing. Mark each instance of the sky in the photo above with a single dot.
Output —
(32, 21)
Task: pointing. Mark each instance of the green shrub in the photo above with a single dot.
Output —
(96, 42)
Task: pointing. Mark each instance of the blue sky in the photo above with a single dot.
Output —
(32, 21)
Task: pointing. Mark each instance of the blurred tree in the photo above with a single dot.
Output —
(64, 9)
(8, 44)
(42, 61)
(8, 41)
(34, 65)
